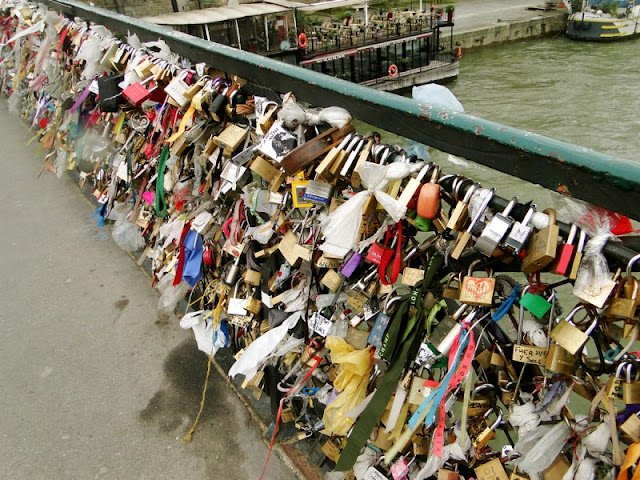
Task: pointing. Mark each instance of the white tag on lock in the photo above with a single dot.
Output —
(236, 306)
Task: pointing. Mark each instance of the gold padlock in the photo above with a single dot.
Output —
(460, 214)
(631, 388)
(449, 291)
(477, 290)
(541, 249)
(631, 427)
(560, 361)
(570, 337)
(626, 296)
(482, 432)
(613, 389)
(481, 404)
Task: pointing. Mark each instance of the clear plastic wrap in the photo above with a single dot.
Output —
(436, 95)
(171, 296)
(334, 116)
(541, 455)
(341, 228)
(127, 235)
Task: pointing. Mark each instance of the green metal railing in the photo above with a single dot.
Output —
(605, 180)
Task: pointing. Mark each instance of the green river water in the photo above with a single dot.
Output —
(583, 93)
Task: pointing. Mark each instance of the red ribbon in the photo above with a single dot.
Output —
(178, 278)
(397, 259)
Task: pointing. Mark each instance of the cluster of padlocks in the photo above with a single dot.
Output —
(362, 289)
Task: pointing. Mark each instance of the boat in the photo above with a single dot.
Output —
(605, 21)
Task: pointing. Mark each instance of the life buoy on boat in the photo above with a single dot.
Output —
(393, 70)
(302, 40)
(458, 52)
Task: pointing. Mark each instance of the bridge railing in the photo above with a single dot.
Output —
(601, 179)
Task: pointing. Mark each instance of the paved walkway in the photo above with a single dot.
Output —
(94, 386)
(473, 15)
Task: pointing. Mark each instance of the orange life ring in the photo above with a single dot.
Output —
(302, 40)
(459, 52)
(393, 70)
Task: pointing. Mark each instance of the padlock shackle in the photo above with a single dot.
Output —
(572, 234)
(528, 215)
(620, 368)
(512, 203)
(630, 264)
(552, 215)
(470, 191)
(481, 209)
(521, 315)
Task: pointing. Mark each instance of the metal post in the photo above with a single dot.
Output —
(266, 31)
(206, 31)
(238, 33)
(366, 16)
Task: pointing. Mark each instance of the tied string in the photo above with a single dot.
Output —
(538, 287)
(221, 293)
(465, 365)
(317, 359)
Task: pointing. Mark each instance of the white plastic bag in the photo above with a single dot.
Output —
(341, 228)
(437, 95)
(209, 338)
(546, 449)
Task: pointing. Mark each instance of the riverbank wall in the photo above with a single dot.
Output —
(549, 23)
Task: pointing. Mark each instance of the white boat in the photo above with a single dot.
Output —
(605, 21)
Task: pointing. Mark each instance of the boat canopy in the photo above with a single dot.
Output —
(620, 3)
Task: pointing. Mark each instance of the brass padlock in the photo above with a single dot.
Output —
(570, 337)
(460, 214)
(613, 388)
(541, 249)
(482, 432)
(477, 290)
(631, 388)
(631, 427)
(450, 291)
(560, 361)
(508, 393)
(479, 405)
(626, 296)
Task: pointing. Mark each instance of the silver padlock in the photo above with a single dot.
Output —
(352, 156)
(234, 270)
(495, 230)
(520, 232)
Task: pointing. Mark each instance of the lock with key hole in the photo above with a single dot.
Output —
(570, 337)
(631, 387)
(520, 232)
(495, 230)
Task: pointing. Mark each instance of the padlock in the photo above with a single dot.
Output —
(560, 361)
(450, 291)
(481, 431)
(445, 333)
(400, 468)
(631, 387)
(350, 161)
(613, 389)
(375, 472)
(252, 277)
(352, 262)
(536, 304)
(508, 393)
(477, 290)
(381, 323)
(596, 292)
(232, 275)
(631, 427)
(492, 470)
(481, 404)
(566, 253)
(361, 285)
(460, 214)
(527, 353)
(464, 237)
(429, 197)
(176, 90)
(495, 230)
(626, 297)
(411, 190)
(207, 253)
(520, 232)
(570, 337)
(577, 258)
(541, 249)
(235, 304)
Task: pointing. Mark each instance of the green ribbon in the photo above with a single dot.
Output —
(161, 211)
(399, 348)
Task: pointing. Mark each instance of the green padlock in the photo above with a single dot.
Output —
(537, 305)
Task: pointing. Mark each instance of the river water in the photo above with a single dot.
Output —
(583, 93)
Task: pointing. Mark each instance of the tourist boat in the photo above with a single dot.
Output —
(605, 21)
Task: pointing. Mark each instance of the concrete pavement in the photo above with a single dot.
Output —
(94, 385)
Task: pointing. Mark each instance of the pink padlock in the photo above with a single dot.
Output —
(400, 468)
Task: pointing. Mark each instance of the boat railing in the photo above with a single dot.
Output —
(600, 178)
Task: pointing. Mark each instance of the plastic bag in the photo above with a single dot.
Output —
(259, 350)
(342, 227)
(546, 449)
(171, 296)
(351, 381)
(334, 116)
(210, 338)
(127, 235)
(437, 95)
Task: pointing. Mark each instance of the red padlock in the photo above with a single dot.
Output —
(429, 199)
(136, 93)
(207, 254)
(567, 252)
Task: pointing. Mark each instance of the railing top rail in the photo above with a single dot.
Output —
(605, 180)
